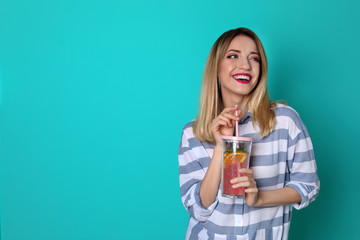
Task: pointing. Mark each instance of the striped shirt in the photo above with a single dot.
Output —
(284, 158)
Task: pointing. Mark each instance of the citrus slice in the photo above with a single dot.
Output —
(231, 158)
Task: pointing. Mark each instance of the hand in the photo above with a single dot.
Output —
(224, 124)
(247, 181)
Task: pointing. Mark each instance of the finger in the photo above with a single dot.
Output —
(246, 171)
(215, 122)
(230, 116)
(231, 119)
(251, 190)
(252, 182)
(241, 184)
(227, 120)
(240, 179)
(229, 109)
(216, 127)
(234, 110)
(221, 122)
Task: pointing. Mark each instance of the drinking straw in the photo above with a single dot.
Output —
(237, 123)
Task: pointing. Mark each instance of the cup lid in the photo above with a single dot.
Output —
(247, 139)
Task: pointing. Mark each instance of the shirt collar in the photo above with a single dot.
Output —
(248, 115)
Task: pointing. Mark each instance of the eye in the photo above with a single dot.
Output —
(232, 56)
(256, 59)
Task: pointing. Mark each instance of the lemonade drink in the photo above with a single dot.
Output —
(235, 156)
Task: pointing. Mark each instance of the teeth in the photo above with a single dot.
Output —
(242, 77)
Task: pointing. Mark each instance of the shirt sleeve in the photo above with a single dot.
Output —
(191, 174)
(301, 164)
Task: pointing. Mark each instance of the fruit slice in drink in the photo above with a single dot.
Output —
(232, 163)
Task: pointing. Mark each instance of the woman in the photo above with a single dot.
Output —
(282, 170)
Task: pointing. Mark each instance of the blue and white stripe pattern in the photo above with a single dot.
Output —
(283, 158)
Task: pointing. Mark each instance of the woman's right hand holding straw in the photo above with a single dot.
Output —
(224, 124)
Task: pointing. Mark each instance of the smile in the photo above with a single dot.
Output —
(243, 78)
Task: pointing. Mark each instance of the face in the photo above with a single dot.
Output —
(240, 68)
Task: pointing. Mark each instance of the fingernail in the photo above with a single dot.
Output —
(233, 180)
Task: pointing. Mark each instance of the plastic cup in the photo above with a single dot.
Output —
(236, 155)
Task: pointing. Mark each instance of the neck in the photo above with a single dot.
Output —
(240, 101)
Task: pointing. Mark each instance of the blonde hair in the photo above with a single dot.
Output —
(211, 104)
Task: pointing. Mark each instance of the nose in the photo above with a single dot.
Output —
(244, 64)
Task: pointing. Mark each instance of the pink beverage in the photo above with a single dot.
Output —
(236, 152)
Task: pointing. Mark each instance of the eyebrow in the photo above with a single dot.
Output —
(238, 51)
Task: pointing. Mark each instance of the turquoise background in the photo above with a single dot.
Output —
(94, 95)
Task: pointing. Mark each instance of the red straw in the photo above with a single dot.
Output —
(237, 123)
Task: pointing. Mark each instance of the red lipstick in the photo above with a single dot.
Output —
(243, 78)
